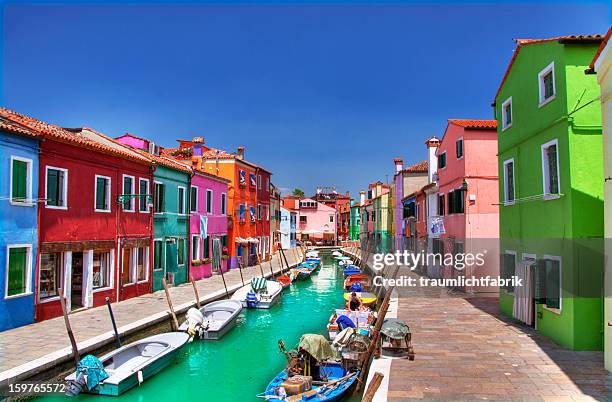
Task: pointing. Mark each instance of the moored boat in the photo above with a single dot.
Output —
(364, 281)
(213, 320)
(285, 280)
(360, 320)
(367, 298)
(351, 270)
(302, 274)
(127, 366)
(260, 293)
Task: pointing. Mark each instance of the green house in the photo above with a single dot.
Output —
(551, 190)
(355, 221)
(171, 223)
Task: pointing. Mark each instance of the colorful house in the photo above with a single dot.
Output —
(602, 66)
(285, 228)
(316, 222)
(275, 217)
(551, 189)
(355, 221)
(468, 196)
(19, 150)
(207, 223)
(405, 181)
(262, 227)
(169, 188)
(293, 228)
(344, 217)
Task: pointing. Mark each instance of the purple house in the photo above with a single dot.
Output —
(208, 223)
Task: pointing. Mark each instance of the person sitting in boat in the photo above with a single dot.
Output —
(354, 302)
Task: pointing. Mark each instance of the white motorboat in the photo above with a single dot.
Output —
(260, 293)
(213, 320)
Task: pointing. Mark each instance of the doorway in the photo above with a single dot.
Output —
(76, 281)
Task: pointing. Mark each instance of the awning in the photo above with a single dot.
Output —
(252, 240)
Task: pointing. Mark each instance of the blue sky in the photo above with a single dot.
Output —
(318, 94)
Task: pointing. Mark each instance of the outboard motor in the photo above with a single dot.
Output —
(195, 319)
(252, 300)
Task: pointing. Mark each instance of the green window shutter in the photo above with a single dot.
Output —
(209, 202)
(206, 247)
(540, 282)
(19, 179)
(17, 271)
(101, 193)
(143, 197)
(181, 251)
(553, 284)
(53, 188)
(553, 187)
(127, 190)
(193, 202)
(510, 179)
(157, 254)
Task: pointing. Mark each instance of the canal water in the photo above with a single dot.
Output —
(241, 364)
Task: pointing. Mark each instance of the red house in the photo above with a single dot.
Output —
(263, 213)
(95, 223)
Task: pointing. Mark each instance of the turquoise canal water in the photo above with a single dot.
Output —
(242, 363)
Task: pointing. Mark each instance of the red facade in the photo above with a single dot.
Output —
(92, 247)
(263, 212)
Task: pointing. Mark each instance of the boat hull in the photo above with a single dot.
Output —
(324, 396)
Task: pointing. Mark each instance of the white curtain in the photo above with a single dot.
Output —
(88, 278)
(522, 309)
(67, 278)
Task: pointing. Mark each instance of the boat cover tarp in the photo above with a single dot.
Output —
(94, 369)
(259, 284)
(318, 347)
(395, 328)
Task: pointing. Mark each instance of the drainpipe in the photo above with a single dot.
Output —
(188, 195)
(118, 234)
(38, 234)
(151, 226)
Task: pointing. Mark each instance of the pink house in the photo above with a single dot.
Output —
(316, 222)
(208, 213)
(468, 194)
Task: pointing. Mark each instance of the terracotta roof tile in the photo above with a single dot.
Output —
(420, 167)
(56, 133)
(520, 43)
(475, 124)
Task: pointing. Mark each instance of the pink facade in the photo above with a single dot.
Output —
(316, 221)
(469, 184)
(206, 188)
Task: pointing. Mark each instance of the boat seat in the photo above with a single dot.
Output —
(152, 349)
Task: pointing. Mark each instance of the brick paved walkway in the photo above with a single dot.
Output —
(47, 340)
(467, 351)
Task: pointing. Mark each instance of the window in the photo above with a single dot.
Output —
(181, 200)
(267, 184)
(418, 212)
(241, 212)
(252, 180)
(18, 270)
(507, 113)
(21, 181)
(195, 247)
(101, 269)
(509, 181)
(259, 182)
(144, 195)
(331, 219)
(441, 204)
(259, 211)
(157, 254)
(550, 169)
(303, 219)
(50, 275)
(508, 267)
(128, 266)
(159, 197)
(267, 209)
(193, 199)
(546, 84)
(442, 160)
(459, 148)
(128, 192)
(223, 204)
(103, 194)
(242, 177)
(552, 265)
(56, 192)
(206, 251)
(142, 256)
(209, 201)
(180, 250)
(456, 201)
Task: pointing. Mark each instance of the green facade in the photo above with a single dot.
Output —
(355, 222)
(549, 227)
(171, 229)
(382, 222)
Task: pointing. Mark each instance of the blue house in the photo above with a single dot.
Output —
(18, 223)
(293, 228)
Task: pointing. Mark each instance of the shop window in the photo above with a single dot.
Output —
(50, 275)
(101, 269)
(141, 263)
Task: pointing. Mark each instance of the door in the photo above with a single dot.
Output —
(171, 260)
(126, 264)
(76, 282)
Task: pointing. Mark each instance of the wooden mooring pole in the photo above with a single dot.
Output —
(112, 317)
(175, 325)
(75, 350)
(195, 290)
(368, 396)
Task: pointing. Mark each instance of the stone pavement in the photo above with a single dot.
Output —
(466, 351)
(43, 344)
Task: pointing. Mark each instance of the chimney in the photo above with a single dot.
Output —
(240, 152)
(198, 142)
(362, 198)
(432, 164)
(399, 164)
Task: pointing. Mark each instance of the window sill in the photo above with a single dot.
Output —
(96, 290)
(504, 128)
(125, 285)
(56, 207)
(509, 203)
(22, 204)
(49, 299)
(547, 101)
(107, 211)
(129, 210)
(548, 197)
(552, 309)
(143, 281)
(26, 294)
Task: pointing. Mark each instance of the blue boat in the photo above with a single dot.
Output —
(309, 265)
(301, 273)
(351, 270)
(337, 385)
(315, 261)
